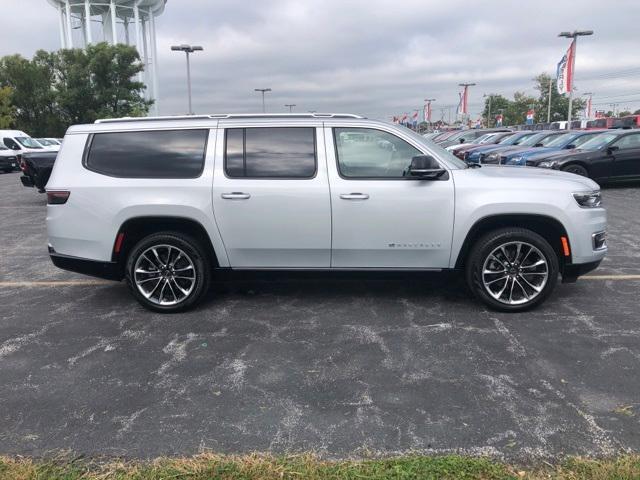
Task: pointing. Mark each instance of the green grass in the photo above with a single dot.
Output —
(262, 467)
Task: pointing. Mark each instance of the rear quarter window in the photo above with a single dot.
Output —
(154, 154)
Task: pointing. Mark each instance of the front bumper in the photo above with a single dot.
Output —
(571, 271)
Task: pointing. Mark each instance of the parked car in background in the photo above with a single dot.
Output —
(578, 125)
(562, 125)
(164, 202)
(19, 142)
(601, 123)
(477, 154)
(443, 135)
(481, 140)
(8, 159)
(467, 136)
(539, 139)
(608, 157)
(630, 121)
(564, 141)
(36, 168)
(493, 139)
(49, 144)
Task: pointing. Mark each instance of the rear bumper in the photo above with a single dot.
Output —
(94, 268)
(572, 271)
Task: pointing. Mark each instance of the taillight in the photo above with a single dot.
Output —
(57, 197)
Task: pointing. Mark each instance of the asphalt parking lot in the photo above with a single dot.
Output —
(340, 365)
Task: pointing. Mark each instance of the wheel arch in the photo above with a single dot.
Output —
(135, 229)
(547, 227)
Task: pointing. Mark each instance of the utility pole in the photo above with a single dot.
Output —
(572, 49)
(262, 90)
(549, 107)
(290, 105)
(614, 106)
(187, 49)
(489, 112)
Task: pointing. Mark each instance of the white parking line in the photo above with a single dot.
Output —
(611, 277)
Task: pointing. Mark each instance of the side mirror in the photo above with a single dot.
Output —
(462, 140)
(612, 148)
(538, 145)
(426, 168)
(570, 146)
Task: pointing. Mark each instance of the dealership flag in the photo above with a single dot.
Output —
(530, 114)
(564, 73)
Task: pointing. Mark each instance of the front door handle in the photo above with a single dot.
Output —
(236, 196)
(354, 196)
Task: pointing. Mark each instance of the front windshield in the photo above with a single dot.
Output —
(598, 141)
(28, 142)
(45, 142)
(483, 138)
(561, 140)
(513, 139)
(547, 140)
(533, 139)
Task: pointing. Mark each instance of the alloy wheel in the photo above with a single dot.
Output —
(515, 273)
(165, 275)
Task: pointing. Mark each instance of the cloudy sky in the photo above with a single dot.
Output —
(373, 57)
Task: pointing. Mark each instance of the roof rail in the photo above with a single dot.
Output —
(228, 115)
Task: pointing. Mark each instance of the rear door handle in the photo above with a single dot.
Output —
(354, 196)
(236, 196)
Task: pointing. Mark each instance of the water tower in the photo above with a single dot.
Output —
(132, 22)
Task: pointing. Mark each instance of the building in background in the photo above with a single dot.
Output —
(132, 22)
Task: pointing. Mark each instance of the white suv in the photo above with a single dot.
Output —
(163, 202)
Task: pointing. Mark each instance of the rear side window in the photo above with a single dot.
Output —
(156, 154)
(270, 152)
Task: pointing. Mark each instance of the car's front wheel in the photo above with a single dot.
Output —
(168, 272)
(512, 269)
(577, 169)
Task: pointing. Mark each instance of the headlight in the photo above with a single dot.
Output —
(515, 161)
(548, 164)
(588, 199)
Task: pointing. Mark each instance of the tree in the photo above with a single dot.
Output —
(559, 103)
(32, 95)
(58, 89)
(7, 110)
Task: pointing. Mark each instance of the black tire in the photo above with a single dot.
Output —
(577, 169)
(480, 257)
(194, 259)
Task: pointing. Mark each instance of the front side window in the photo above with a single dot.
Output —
(369, 153)
(628, 142)
(270, 152)
(153, 154)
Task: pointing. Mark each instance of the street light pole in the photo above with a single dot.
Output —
(188, 49)
(290, 105)
(590, 95)
(573, 35)
(465, 97)
(263, 90)
(428, 119)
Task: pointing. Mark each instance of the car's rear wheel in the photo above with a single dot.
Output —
(168, 272)
(577, 169)
(512, 269)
